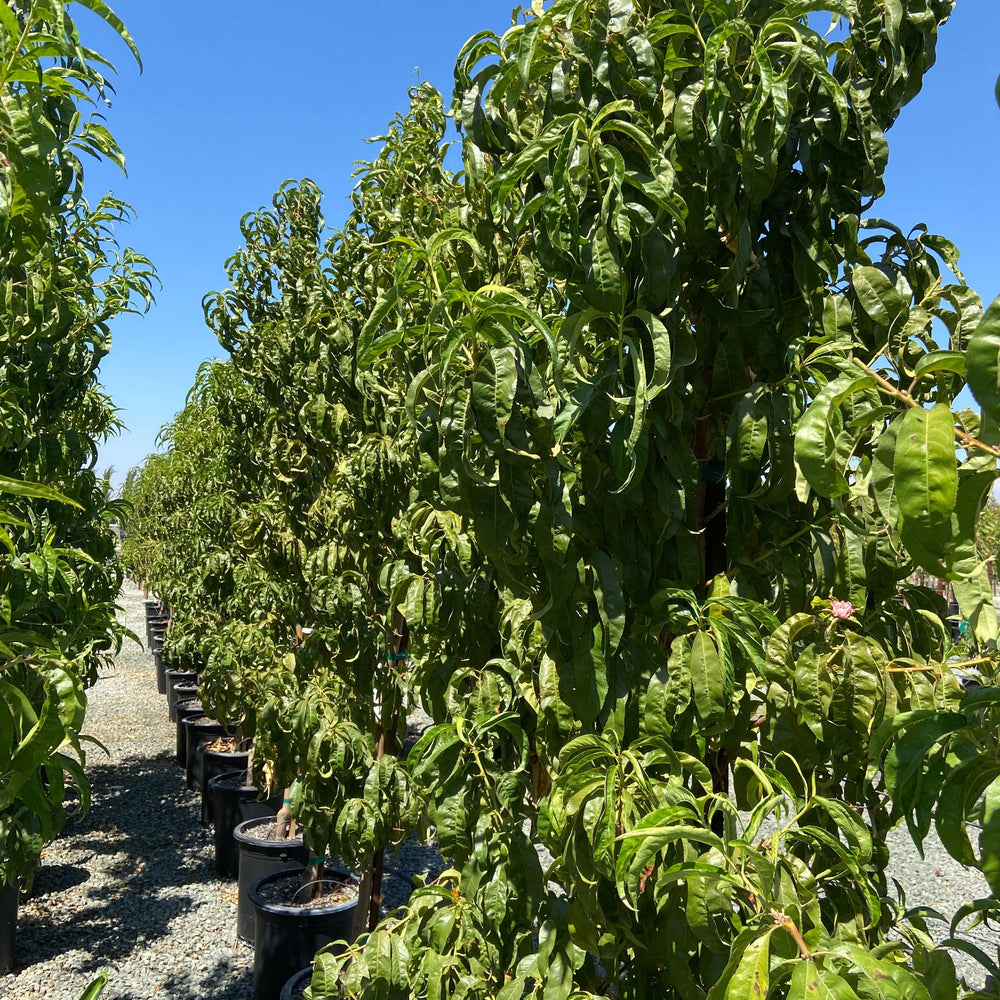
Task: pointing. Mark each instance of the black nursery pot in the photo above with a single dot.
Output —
(156, 628)
(153, 610)
(185, 708)
(200, 730)
(257, 859)
(292, 990)
(235, 802)
(161, 671)
(173, 678)
(214, 763)
(8, 925)
(287, 937)
(185, 692)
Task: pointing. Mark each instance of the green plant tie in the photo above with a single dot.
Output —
(403, 655)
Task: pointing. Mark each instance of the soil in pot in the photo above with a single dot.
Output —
(8, 925)
(295, 988)
(217, 757)
(235, 802)
(200, 730)
(185, 709)
(174, 678)
(185, 693)
(286, 935)
(260, 855)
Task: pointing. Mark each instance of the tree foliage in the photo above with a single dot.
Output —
(64, 279)
(643, 428)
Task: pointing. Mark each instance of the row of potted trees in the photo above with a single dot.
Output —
(615, 452)
(251, 843)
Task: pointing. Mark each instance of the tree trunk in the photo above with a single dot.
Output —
(712, 525)
(311, 885)
(370, 889)
(284, 825)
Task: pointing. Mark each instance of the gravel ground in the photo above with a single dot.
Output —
(938, 881)
(131, 888)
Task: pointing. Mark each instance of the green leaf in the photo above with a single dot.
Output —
(707, 678)
(941, 361)
(926, 471)
(103, 11)
(878, 295)
(610, 600)
(957, 801)
(37, 491)
(812, 982)
(891, 980)
(989, 837)
(974, 594)
(816, 436)
(905, 762)
(604, 285)
(983, 361)
(493, 387)
(752, 977)
(96, 988)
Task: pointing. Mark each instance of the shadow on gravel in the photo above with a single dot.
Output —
(221, 983)
(401, 864)
(58, 878)
(144, 827)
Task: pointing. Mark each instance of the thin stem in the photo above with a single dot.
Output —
(891, 390)
(788, 925)
(972, 662)
(791, 538)
(16, 50)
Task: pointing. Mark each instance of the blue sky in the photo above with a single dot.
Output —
(237, 97)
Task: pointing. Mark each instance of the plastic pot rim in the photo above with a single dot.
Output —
(297, 977)
(243, 838)
(300, 911)
(219, 781)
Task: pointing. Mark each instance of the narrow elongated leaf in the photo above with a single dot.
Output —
(96, 988)
(22, 488)
(816, 451)
(941, 361)
(103, 11)
(926, 472)
(877, 294)
(610, 600)
(983, 361)
(905, 762)
(989, 837)
(752, 977)
(957, 801)
(707, 678)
